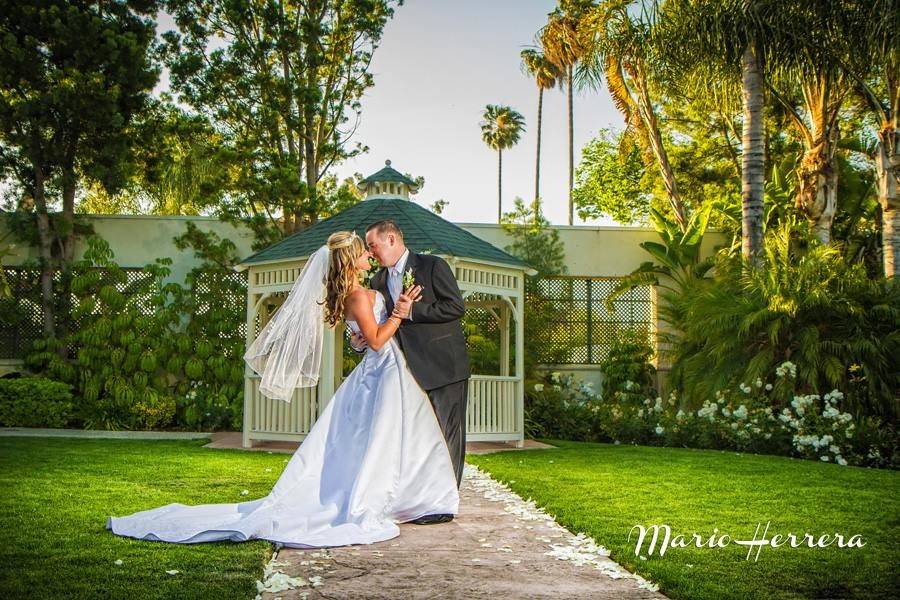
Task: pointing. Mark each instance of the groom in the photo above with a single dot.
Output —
(430, 336)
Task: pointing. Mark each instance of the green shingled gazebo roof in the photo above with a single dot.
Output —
(422, 229)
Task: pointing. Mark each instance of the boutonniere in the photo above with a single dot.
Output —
(408, 279)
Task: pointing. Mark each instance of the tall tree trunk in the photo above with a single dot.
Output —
(648, 117)
(817, 193)
(46, 254)
(314, 12)
(887, 166)
(571, 144)
(537, 163)
(298, 217)
(68, 253)
(289, 213)
(753, 158)
(499, 185)
(817, 172)
(312, 177)
(292, 214)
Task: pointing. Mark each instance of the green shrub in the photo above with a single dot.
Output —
(557, 408)
(210, 386)
(768, 415)
(804, 304)
(149, 353)
(117, 368)
(627, 369)
(34, 402)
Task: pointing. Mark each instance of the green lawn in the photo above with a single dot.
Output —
(58, 492)
(604, 490)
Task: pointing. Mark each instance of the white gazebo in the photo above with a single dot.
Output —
(489, 279)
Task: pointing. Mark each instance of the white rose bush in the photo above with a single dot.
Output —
(769, 416)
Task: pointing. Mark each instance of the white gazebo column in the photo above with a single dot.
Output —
(504, 340)
(520, 361)
(252, 299)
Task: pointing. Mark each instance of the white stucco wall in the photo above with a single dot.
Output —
(137, 240)
(589, 251)
(596, 251)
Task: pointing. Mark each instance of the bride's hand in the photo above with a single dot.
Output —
(413, 294)
(403, 307)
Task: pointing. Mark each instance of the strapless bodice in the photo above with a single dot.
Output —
(379, 309)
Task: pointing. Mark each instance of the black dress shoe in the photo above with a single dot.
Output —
(431, 519)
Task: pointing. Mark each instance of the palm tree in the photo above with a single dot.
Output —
(753, 153)
(501, 129)
(724, 40)
(563, 47)
(810, 82)
(873, 51)
(546, 76)
(617, 50)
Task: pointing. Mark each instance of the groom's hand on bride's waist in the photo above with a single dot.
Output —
(358, 342)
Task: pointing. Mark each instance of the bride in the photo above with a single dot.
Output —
(375, 457)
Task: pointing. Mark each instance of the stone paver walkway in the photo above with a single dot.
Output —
(498, 546)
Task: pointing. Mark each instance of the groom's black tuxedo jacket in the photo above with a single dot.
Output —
(433, 341)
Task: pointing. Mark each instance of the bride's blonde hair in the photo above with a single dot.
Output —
(345, 249)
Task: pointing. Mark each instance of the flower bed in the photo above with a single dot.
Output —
(765, 417)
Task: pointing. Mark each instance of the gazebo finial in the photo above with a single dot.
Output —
(387, 183)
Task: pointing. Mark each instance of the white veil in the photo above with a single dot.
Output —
(288, 351)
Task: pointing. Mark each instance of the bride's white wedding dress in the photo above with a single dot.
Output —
(374, 458)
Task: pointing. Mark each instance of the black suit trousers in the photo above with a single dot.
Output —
(449, 403)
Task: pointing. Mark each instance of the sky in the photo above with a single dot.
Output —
(437, 66)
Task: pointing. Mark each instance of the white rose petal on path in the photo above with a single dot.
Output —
(579, 549)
